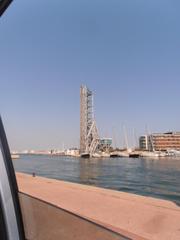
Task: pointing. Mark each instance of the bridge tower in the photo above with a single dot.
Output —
(89, 138)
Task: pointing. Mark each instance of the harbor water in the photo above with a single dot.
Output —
(158, 178)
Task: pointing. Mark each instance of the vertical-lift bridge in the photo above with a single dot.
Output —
(89, 138)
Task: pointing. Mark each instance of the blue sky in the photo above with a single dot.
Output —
(126, 51)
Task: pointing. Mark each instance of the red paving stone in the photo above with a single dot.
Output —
(136, 216)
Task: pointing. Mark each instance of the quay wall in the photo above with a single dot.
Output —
(124, 214)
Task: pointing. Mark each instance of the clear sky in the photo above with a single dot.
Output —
(126, 51)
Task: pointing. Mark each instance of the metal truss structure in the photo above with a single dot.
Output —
(89, 138)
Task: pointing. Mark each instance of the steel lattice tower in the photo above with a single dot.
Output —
(89, 138)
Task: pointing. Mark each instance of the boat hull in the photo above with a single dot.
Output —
(85, 155)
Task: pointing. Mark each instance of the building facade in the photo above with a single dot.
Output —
(160, 141)
(105, 144)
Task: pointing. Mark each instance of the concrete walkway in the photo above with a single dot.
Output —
(134, 216)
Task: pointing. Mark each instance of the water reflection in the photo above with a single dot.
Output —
(88, 172)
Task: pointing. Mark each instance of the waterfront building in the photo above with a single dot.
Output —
(145, 143)
(160, 141)
(105, 144)
(74, 152)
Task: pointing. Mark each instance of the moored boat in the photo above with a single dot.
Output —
(154, 154)
(85, 155)
(123, 154)
(134, 155)
(149, 154)
(15, 156)
(173, 152)
(114, 155)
